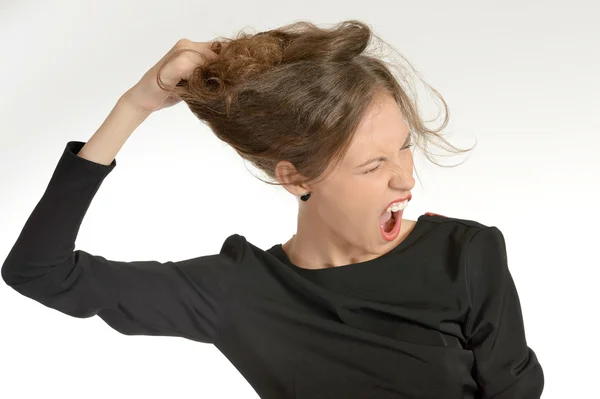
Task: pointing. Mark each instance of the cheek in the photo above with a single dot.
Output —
(365, 201)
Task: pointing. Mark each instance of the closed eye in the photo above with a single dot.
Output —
(379, 166)
(374, 169)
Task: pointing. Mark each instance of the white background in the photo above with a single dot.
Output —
(519, 77)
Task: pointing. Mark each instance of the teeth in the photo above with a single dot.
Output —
(397, 206)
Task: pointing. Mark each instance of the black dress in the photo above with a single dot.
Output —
(436, 317)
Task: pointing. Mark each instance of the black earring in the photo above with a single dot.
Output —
(305, 197)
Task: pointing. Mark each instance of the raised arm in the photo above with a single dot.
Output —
(181, 298)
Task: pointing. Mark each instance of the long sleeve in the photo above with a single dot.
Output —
(505, 367)
(181, 298)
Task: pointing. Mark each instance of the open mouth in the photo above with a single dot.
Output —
(388, 225)
(389, 220)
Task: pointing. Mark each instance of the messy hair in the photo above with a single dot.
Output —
(298, 93)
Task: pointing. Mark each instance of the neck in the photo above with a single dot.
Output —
(316, 246)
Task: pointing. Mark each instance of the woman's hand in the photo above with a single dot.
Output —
(147, 96)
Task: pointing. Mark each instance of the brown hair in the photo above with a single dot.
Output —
(297, 93)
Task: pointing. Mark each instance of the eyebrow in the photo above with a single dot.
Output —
(380, 158)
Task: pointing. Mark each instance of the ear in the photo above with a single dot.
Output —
(286, 174)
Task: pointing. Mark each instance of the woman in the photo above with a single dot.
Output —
(359, 303)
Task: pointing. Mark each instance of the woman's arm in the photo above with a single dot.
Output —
(505, 366)
(184, 298)
(106, 143)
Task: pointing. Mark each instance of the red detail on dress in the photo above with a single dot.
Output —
(434, 214)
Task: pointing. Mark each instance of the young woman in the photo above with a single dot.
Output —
(359, 303)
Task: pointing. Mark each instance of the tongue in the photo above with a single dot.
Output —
(384, 218)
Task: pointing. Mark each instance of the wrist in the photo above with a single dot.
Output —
(126, 101)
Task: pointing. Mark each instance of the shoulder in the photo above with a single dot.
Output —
(237, 247)
(483, 245)
(480, 247)
(443, 219)
(460, 230)
(234, 247)
(454, 223)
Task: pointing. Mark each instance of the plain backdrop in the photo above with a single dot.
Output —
(520, 78)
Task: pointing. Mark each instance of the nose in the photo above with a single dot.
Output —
(401, 179)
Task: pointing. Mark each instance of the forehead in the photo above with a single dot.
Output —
(381, 131)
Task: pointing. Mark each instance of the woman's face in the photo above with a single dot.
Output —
(376, 170)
